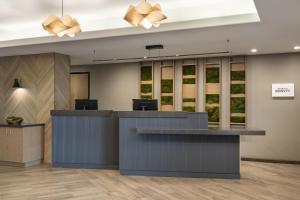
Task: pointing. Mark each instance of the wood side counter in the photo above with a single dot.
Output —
(21, 145)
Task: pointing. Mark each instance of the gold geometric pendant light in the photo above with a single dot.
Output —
(145, 15)
(60, 26)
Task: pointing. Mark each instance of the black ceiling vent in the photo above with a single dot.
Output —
(156, 46)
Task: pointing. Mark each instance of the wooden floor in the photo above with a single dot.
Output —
(261, 181)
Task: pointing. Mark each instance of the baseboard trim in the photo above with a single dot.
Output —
(271, 161)
(20, 164)
(179, 174)
(83, 165)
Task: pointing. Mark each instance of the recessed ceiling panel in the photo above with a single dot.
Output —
(20, 19)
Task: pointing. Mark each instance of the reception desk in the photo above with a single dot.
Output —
(85, 139)
(147, 143)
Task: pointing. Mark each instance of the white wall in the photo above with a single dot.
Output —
(113, 85)
(116, 84)
(279, 117)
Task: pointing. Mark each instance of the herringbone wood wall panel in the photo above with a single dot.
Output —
(38, 97)
(62, 82)
(61, 97)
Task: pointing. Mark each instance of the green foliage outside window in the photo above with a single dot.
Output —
(189, 108)
(237, 105)
(146, 96)
(146, 88)
(189, 70)
(146, 73)
(237, 119)
(189, 81)
(189, 100)
(237, 89)
(212, 75)
(213, 114)
(212, 98)
(166, 86)
(238, 76)
(166, 100)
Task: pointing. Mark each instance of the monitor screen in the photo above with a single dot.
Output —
(86, 104)
(145, 104)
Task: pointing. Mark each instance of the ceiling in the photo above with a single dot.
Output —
(270, 26)
(21, 20)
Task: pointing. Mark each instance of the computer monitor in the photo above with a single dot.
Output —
(86, 104)
(145, 104)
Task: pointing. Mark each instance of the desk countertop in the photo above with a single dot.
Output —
(124, 114)
(81, 112)
(19, 126)
(153, 114)
(210, 131)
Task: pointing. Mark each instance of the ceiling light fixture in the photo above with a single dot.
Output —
(60, 26)
(253, 50)
(166, 57)
(145, 15)
(296, 47)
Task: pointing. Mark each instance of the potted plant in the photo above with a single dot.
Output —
(14, 120)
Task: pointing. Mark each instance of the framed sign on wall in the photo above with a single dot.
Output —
(283, 90)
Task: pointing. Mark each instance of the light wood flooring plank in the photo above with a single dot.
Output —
(260, 181)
